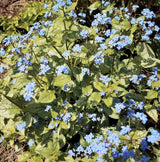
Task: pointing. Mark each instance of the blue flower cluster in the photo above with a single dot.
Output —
(29, 88)
(98, 58)
(62, 69)
(155, 136)
(94, 117)
(44, 67)
(120, 41)
(24, 63)
(85, 71)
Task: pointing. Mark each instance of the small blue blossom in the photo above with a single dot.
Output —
(144, 145)
(134, 7)
(117, 18)
(99, 39)
(103, 46)
(144, 158)
(1, 139)
(102, 93)
(31, 142)
(29, 88)
(140, 106)
(48, 107)
(89, 137)
(85, 71)
(105, 79)
(66, 54)
(80, 149)
(155, 136)
(70, 152)
(148, 14)
(141, 116)
(62, 69)
(66, 117)
(134, 79)
(21, 126)
(2, 51)
(98, 58)
(66, 87)
(77, 48)
(113, 138)
(119, 107)
(125, 129)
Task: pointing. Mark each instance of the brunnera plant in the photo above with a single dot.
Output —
(76, 92)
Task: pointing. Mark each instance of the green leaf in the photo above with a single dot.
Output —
(63, 125)
(87, 89)
(153, 114)
(108, 101)
(71, 7)
(125, 25)
(146, 52)
(114, 114)
(95, 5)
(8, 109)
(61, 80)
(151, 94)
(99, 86)
(46, 97)
(25, 156)
(156, 84)
(137, 136)
(36, 158)
(94, 98)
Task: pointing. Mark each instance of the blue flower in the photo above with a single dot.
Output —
(140, 106)
(148, 14)
(2, 51)
(21, 126)
(127, 153)
(99, 39)
(66, 87)
(98, 58)
(102, 93)
(69, 2)
(144, 158)
(155, 136)
(31, 142)
(29, 88)
(134, 79)
(125, 129)
(84, 33)
(144, 145)
(77, 48)
(80, 149)
(105, 79)
(117, 18)
(50, 126)
(113, 138)
(1, 139)
(141, 116)
(66, 54)
(61, 69)
(66, 117)
(119, 107)
(70, 152)
(48, 107)
(89, 137)
(85, 71)
(134, 7)
(45, 5)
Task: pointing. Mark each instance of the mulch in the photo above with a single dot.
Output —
(11, 8)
